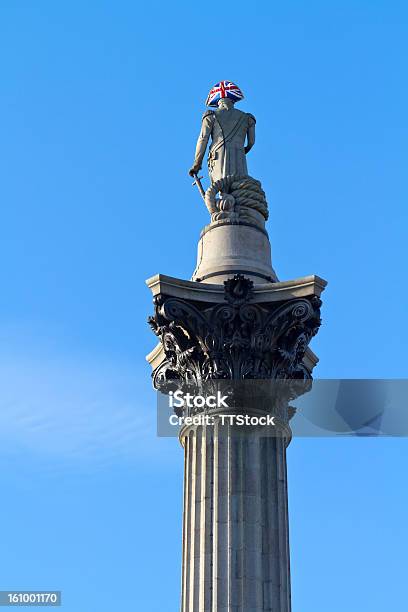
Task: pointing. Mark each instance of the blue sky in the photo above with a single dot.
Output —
(101, 105)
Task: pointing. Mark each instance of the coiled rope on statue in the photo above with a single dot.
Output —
(246, 191)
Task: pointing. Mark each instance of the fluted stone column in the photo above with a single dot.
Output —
(235, 533)
(235, 528)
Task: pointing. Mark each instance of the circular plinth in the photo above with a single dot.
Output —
(227, 248)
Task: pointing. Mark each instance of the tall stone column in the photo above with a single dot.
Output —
(235, 525)
(235, 325)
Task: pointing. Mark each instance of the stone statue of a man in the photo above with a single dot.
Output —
(232, 134)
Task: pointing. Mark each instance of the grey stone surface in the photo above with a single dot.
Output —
(304, 287)
(225, 249)
(226, 534)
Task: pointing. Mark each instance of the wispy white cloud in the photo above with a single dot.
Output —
(76, 409)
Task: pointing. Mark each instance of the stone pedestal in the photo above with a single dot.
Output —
(226, 248)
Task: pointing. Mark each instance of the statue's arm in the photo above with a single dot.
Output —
(250, 133)
(202, 142)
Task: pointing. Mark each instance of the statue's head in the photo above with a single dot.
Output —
(224, 90)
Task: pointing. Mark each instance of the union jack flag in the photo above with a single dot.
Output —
(224, 89)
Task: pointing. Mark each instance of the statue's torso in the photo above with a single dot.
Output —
(227, 155)
(231, 125)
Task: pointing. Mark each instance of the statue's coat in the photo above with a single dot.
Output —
(229, 129)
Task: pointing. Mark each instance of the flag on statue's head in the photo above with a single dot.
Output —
(224, 89)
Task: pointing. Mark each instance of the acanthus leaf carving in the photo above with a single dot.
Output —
(237, 340)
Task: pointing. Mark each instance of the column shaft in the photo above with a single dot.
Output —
(235, 531)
